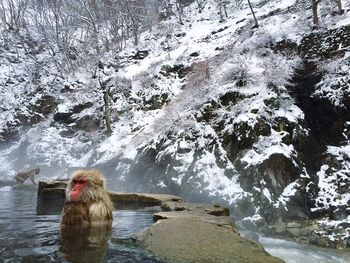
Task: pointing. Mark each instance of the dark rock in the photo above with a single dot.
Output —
(274, 174)
(321, 45)
(67, 116)
(231, 98)
(244, 136)
(139, 55)
(182, 34)
(180, 70)
(295, 133)
(82, 106)
(286, 47)
(45, 105)
(324, 121)
(194, 54)
(33, 114)
(87, 123)
(279, 171)
(219, 30)
(9, 133)
(166, 207)
(64, 117)
(186, 2)
(156, 101)
(164, 15)
(100, 65)
(325, 44)
(27, 118)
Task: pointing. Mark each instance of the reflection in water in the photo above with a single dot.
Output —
(85, 244)
(27, 237)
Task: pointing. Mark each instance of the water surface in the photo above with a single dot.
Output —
(293, 252)
(27, 237)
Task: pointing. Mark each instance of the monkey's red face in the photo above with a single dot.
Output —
(78, 186)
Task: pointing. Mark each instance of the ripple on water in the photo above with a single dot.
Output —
(45, 250)
(5, 188)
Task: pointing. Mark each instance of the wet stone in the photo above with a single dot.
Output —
(199, 232)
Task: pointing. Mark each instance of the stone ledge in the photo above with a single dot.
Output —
(51, 196)
(196, 233)
(183, 232)
(191, 239)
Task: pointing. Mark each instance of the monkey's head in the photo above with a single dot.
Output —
(84, 186)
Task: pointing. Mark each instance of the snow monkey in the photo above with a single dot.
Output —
(23, 175)
(87, 202)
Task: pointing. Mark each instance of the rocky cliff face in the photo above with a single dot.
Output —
(211, 109)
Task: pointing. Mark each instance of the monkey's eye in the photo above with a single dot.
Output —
(75, 181)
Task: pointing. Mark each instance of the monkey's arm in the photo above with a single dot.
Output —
(31, 177)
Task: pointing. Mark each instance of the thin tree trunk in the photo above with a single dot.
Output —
(180, 11)
(340, 8)
(251, 9)
(314, 12)
(220, 12)
(106, 111)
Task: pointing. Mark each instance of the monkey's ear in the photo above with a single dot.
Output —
(100, 182)
(97, 177)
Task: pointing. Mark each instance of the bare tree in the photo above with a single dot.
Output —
(200, 4)
(251, 9)
(340, 8)
(180, 10)
(106, 97)
(134, 16)
(13, 13)
(315, 11)
(222, 6)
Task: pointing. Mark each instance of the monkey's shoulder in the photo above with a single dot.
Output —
(100, 212)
